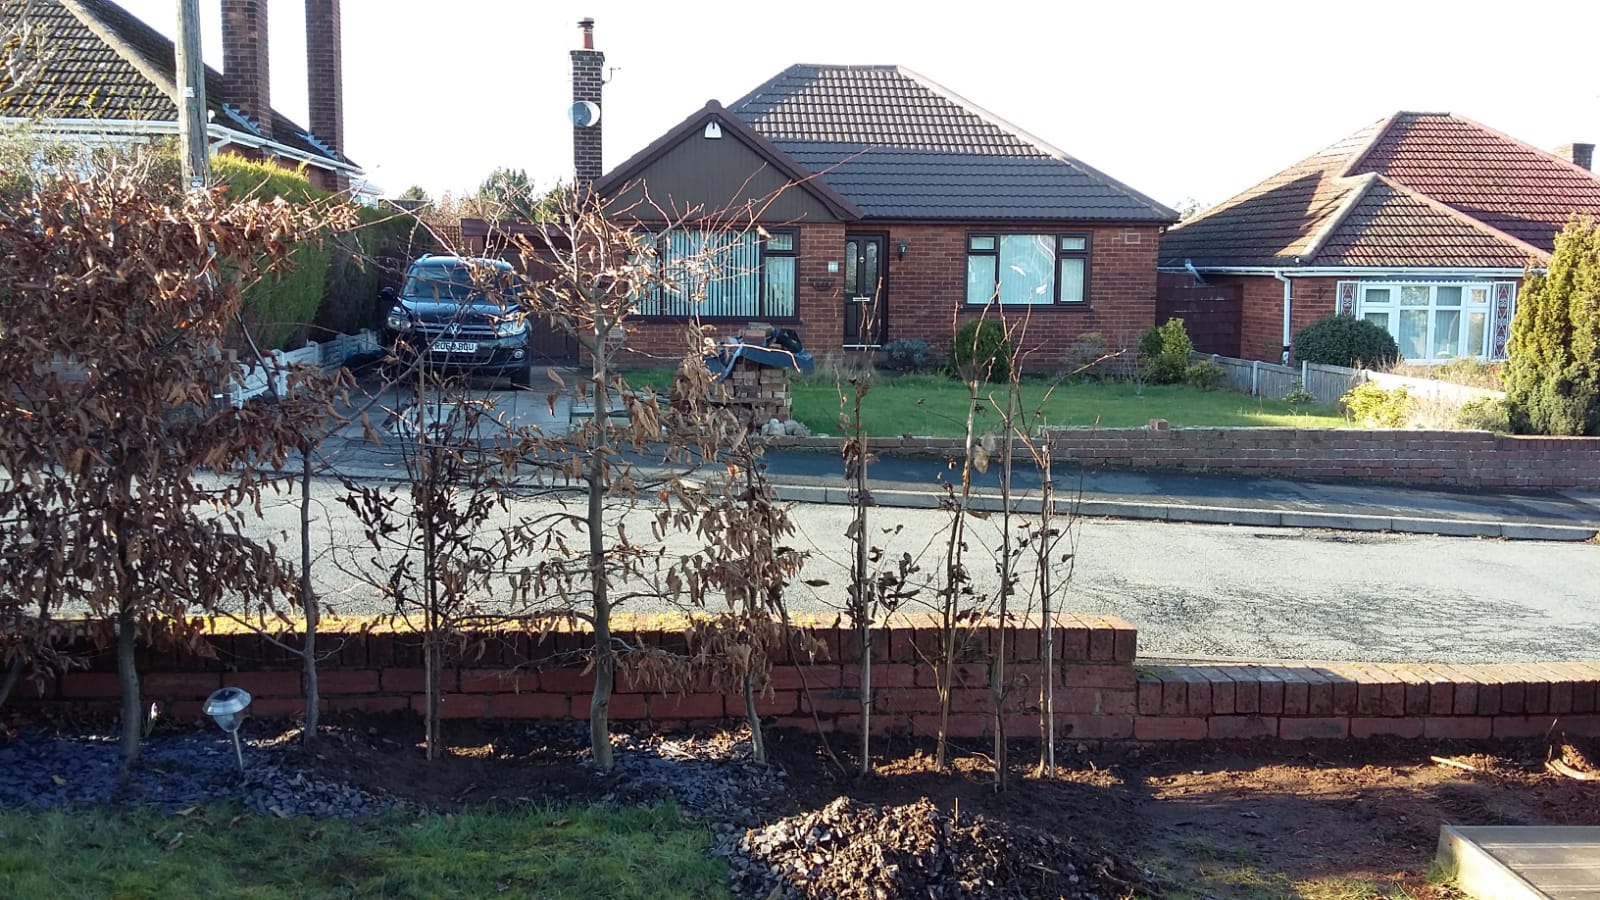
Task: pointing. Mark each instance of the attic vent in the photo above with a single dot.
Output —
(713, 131)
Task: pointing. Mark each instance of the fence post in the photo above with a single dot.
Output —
(1305, 372)
(1255, 377)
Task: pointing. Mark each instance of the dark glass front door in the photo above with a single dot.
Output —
(865, 301)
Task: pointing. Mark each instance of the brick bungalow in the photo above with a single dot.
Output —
(870, 204)
(109, 78)
(1422, 222)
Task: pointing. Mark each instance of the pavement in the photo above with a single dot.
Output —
(816, 477)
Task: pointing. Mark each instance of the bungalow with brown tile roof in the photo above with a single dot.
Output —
(876, 204)
(1423, 223)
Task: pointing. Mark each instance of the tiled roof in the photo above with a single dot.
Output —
(900, 146)
(1450, 193)
(1496, 179)
(1388, 225)
(105, 63)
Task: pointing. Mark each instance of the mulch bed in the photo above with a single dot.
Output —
(1121, 819)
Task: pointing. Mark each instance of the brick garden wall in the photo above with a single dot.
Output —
(1101, 692)
(1420, 458)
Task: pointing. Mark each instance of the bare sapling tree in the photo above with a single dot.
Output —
(745, 559)
(588, 272)
(116, 295)
(1011, 421)
(961, 608)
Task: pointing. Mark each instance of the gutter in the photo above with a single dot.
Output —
(1358, 272)
(1287, 300)
(214, 131)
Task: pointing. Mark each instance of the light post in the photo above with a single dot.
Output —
(227, 706)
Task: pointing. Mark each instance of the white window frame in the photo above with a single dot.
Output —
(1392, 307)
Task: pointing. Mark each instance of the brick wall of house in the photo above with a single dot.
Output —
(1261, 325)
(928, 289)
(1100, 695)
(1421, 458)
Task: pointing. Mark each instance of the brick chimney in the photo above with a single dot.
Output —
(587, 78)
(245, 78)
(1580, 155)
(325, 82)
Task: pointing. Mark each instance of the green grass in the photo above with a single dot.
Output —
(585, 854)
(935, 406)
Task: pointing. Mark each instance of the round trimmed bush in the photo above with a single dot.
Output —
(981, 346)
(1346, 341)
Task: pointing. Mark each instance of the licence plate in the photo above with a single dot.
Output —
(454, 347)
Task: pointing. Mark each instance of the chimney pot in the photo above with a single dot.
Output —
(1580, 155)
(587, 26)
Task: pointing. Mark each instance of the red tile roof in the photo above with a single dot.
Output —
(1448, 193)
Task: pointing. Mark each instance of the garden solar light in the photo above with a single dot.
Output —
(227, 706)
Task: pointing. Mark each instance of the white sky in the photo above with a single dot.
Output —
(1178, 99)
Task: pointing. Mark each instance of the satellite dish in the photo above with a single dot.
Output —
(584, 114)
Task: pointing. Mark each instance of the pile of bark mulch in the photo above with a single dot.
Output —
(852, 850)
(1580, 757)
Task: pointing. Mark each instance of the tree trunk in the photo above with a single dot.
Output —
(128, 675)
(604, 662)
(13, 674)
(308, 599)
(952, 561)
(863, 595)
(758, 746)
(1007, 581)
(1047, 635)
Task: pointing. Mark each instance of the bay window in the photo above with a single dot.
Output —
(707, 274)
(1027, 269)
(1431, 321)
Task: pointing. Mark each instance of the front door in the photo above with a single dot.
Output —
(866, 303)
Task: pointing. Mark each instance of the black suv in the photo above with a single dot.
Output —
(459, 314)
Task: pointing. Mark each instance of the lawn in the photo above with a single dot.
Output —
(584, 853)
(935, 406)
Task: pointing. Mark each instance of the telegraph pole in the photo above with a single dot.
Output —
(191, 100)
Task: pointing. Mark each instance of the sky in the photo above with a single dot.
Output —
(1181, 100)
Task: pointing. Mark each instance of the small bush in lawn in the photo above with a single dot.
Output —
(1205, 375)
(1165, 351)
(1369, 404)
(1346, 341)
(908, 355)
(1298, 395)
(981, 348)
(1085, 354)
(1488, 414)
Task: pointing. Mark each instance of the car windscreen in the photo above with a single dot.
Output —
(450, 283)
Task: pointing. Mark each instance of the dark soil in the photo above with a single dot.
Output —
(1189, 817)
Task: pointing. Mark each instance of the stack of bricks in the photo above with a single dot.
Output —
(760, 393)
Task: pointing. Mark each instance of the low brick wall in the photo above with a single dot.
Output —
(1101, 692)
(1422, 458)
(1350, 700)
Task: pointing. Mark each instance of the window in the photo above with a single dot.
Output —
(1431, 321)
(1025, 269)
(708, 274)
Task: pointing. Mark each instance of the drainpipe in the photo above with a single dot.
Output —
(1287, 299)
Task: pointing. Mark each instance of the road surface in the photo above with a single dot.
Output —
(1192, 590)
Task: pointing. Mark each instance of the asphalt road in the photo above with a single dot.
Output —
(1194, 591)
